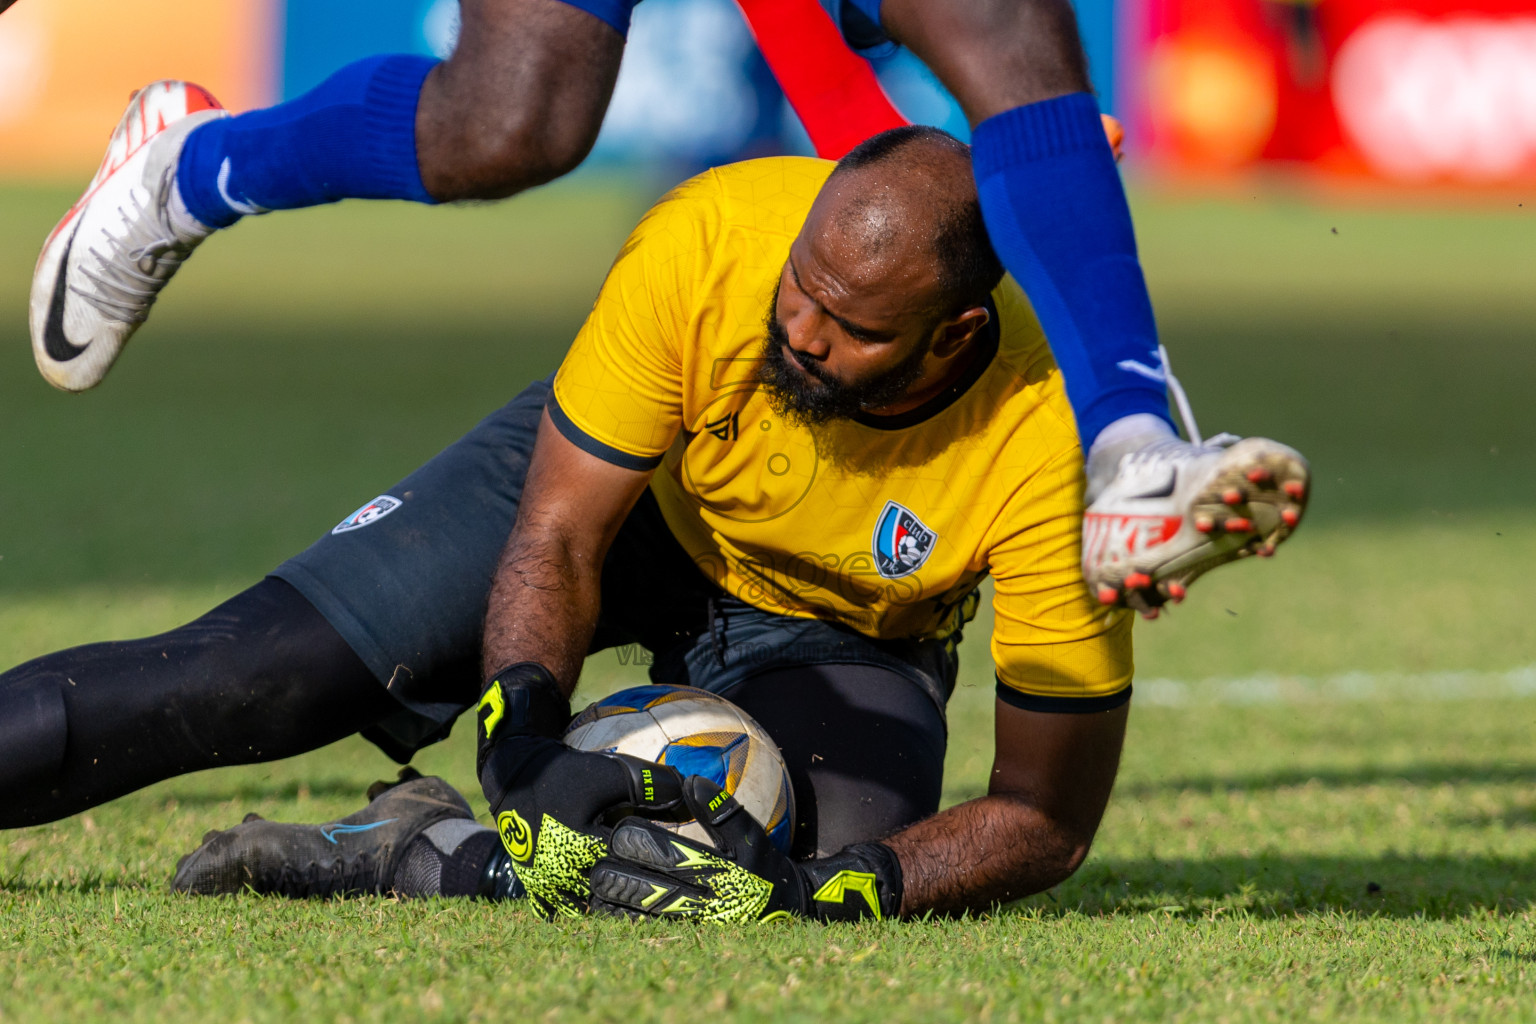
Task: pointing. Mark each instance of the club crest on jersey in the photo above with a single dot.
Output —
(372, 512)
(902, 542)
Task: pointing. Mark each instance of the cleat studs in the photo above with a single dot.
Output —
(1231, 496)
(1260, 475)
(1267, 551)
(1295, 488)
(1138, 581)
(1237, 524)
(1205, 524)
(1151, 613)
(1108, 595)
(1290, 517)
(1176, 592)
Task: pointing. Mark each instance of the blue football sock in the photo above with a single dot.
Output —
(353, 136)
(1057, 215)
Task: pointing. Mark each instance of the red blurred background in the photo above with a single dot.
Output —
(1409, 91)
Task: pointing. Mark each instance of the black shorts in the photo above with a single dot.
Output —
(865, 752)
(406, 578)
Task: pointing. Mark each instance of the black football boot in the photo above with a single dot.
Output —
(357, 855)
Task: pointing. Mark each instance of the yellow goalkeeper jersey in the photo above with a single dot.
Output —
(884, 524)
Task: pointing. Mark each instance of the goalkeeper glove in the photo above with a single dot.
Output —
(553, 804)
(651, 871)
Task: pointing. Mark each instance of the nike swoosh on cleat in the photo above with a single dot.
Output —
(1163, 491)
(330, 832)
(55, 342)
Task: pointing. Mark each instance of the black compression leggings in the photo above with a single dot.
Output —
(264, 676)
(261, 677)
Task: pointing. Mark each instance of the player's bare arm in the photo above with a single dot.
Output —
(1051, 779)
(543, 607)
(545, 596)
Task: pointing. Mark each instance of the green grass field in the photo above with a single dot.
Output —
(1326, 808)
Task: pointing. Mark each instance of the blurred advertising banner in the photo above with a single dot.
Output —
(67, 68)
(1404, 91)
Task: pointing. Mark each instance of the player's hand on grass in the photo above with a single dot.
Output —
(553, 805)
(651, 871)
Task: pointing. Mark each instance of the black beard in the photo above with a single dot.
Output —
(809, 394)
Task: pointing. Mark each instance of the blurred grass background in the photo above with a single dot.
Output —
(301, 364)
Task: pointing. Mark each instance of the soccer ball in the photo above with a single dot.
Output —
(697, 733)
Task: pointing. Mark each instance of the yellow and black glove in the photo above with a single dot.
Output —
(651, 871)
(554, 805)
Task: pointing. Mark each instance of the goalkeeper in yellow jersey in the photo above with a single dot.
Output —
(807, 417)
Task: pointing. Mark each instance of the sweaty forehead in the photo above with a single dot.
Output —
(871, 232)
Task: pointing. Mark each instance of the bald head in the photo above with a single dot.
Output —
(885, 288)
(902, 206)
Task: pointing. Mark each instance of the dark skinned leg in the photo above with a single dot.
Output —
(993, 55)
(520, 101)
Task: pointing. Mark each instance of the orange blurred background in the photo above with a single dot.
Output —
(68, 66)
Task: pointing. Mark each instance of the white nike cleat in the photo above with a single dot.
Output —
(1174, 510)
(104, 264)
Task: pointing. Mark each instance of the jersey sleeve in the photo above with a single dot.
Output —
(1055, 648)
(619, 392)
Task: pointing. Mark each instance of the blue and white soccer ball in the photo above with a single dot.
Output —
(697, 733)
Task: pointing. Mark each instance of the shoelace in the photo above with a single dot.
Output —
(1186, 413)
(141, 261)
